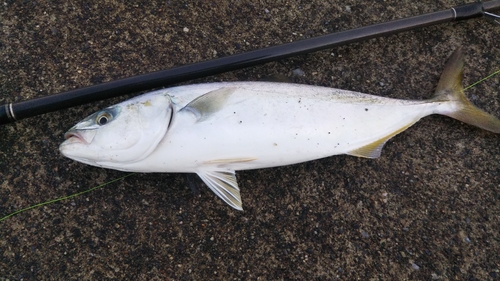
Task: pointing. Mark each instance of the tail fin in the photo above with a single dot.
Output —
(450, 89)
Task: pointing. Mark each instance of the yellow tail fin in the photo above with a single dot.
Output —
(450, 89)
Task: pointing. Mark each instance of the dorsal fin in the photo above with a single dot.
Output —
(205, 105)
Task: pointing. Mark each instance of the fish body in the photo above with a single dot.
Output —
(216, 129)
(264, 124)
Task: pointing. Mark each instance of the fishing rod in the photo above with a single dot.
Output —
(12, 112)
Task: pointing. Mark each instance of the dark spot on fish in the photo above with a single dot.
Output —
(366, 109)
(241, 122)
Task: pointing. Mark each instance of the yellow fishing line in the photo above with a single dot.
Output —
(112, 181)
(62, 198)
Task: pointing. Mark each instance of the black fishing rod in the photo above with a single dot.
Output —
(16, 111)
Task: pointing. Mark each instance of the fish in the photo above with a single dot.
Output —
(215, 129)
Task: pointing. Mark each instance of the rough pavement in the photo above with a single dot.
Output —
(429, 208)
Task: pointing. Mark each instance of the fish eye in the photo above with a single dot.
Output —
(103, 118)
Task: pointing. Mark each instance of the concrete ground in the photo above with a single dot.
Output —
(428, 209)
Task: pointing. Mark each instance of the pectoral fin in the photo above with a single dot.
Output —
(224, 184)
(203, 106)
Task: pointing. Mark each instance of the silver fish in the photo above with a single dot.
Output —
(216, 129)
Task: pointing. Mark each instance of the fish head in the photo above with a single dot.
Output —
(121, 134)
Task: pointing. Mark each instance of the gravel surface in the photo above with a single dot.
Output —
(428, 209)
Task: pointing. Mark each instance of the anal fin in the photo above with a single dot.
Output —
(223, 183)
(374, 149)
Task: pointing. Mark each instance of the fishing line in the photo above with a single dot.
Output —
(128, 175)
(485, 78)
(64, 197)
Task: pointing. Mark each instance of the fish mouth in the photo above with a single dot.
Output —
(80, 136)
(75, 137)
